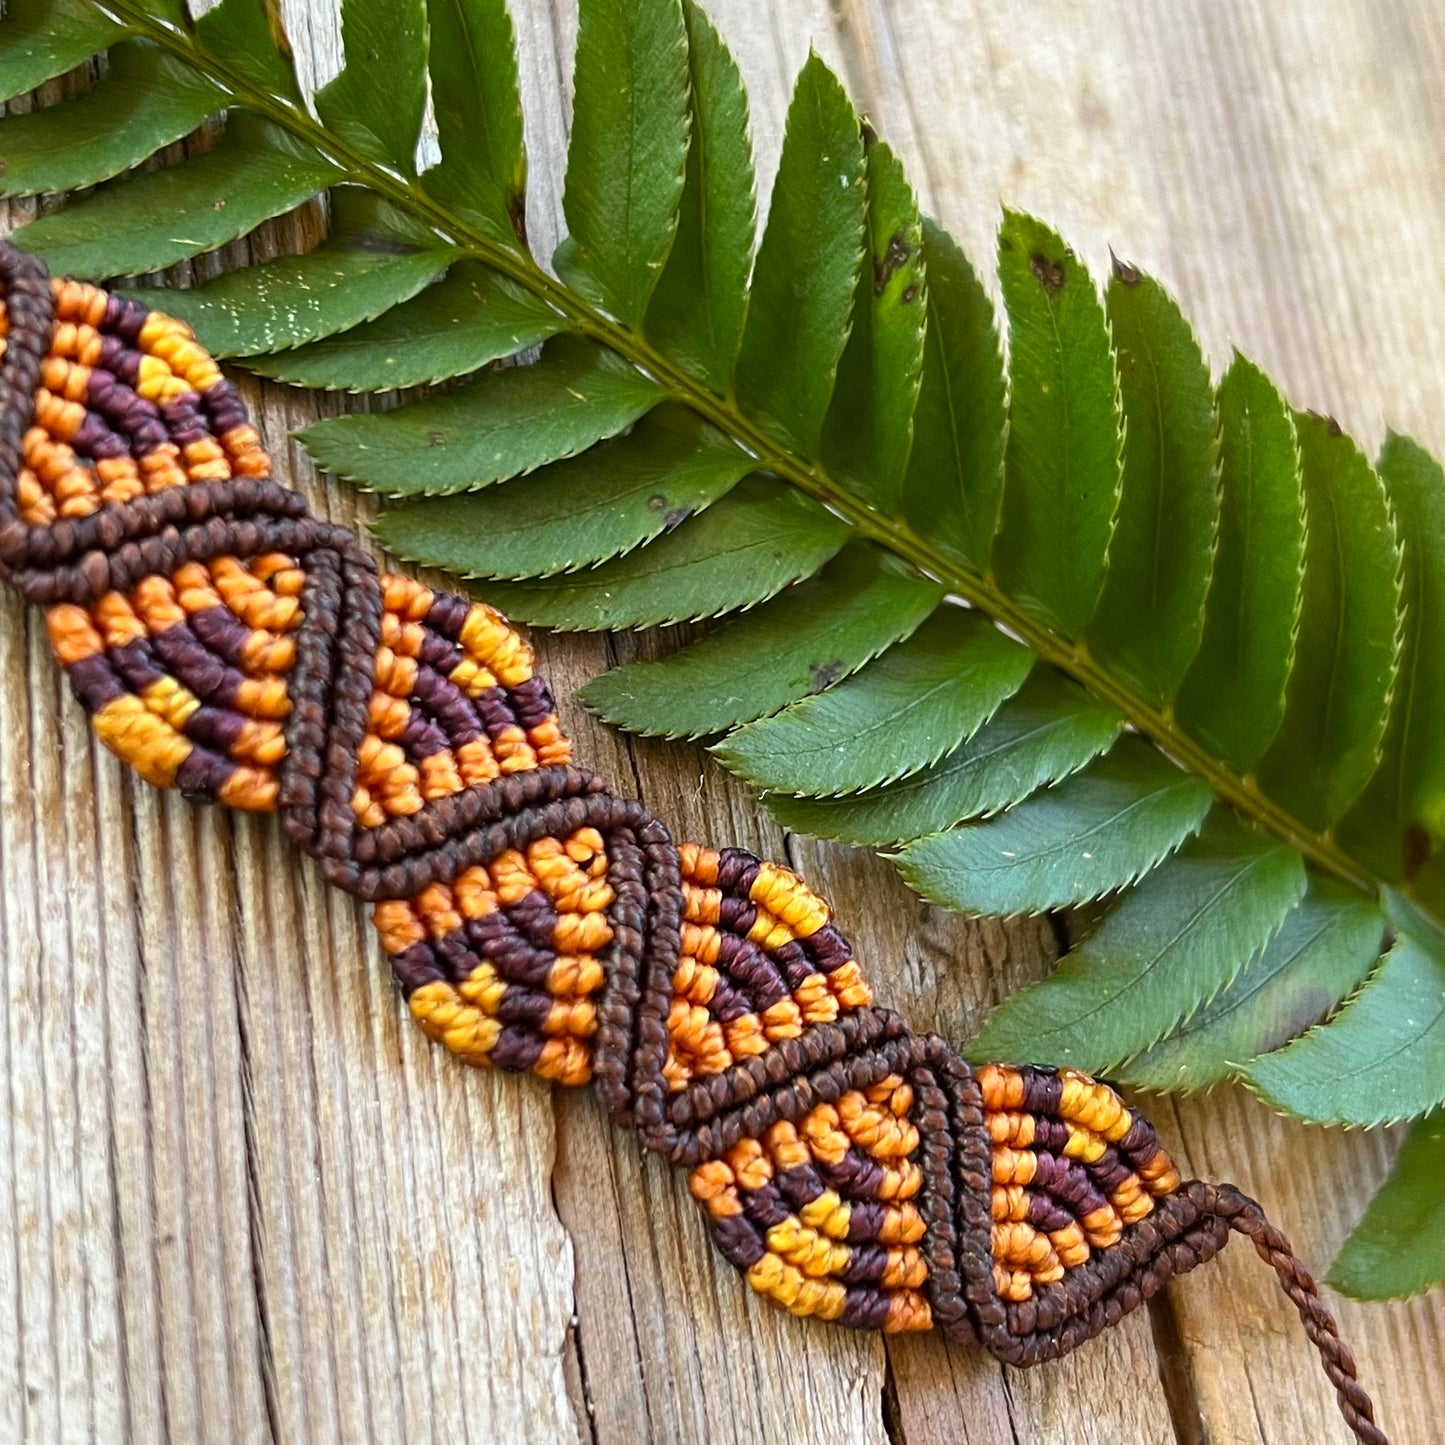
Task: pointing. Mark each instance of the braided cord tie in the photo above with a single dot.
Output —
(229, 644)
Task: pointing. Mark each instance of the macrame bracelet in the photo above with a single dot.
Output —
(229, 644)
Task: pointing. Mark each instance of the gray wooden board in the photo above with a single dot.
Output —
(242, 1199)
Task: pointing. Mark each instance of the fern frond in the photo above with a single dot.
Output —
(957, 585)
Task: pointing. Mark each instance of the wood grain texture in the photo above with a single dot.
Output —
(242, 1199)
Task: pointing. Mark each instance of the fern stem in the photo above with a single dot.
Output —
(1241, 792)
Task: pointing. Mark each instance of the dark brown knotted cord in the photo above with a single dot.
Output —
(229, 644)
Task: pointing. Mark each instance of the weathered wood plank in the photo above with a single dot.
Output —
(247, 1201)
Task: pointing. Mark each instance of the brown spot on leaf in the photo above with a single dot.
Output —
(1049, 272)
(657, 501)
(676, 518)
(1417, 849)
(825, 674)
(910, 294)
(376, 243)
(895, 254)
(517, 215)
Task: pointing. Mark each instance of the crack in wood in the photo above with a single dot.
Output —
(1175, 1373)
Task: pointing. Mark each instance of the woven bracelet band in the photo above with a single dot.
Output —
(229, 644)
